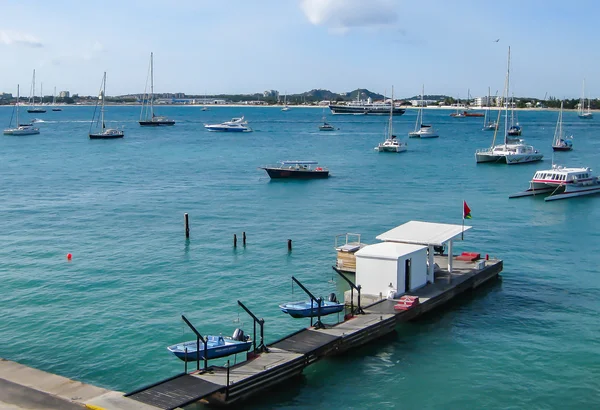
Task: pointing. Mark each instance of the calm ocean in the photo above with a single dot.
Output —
(528, 341)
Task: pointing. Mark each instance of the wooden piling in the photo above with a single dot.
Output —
(234, 240)
(186, 221)
(244, 238)
(289, 245)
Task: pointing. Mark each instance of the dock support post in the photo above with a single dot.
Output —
(359, 309)
(198, 338)
(314, 300)
(227, 386)
(261, 322)
(186, 221)
(185, 361)
(450, 259)
(289, 245)
(244, 238)
(431, 264)
(234, 240)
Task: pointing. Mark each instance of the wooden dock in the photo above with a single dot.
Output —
(288, 356)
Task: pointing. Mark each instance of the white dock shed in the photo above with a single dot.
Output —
(388, 266)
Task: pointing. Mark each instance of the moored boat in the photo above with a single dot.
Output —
(20, 129)
(360, 107)
(32, 107)
(296, 170)
(216, 346)
(422, 130)
(561, 183)
(147, 116)
(310, 308)
(103, 133)
(581, 111)
(235, 125)
(391, 143)
(560, 141)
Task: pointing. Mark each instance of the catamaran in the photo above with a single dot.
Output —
(508, 152)
(581, 112)
(391, 143)
(560, 141)
(147, 116)
(32, 108)
(20, 129)
(561, 183)
(103, 133)
(422, 130)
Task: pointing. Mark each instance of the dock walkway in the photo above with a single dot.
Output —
(290, 355)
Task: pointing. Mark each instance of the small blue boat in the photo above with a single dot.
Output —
(217, 346)
(310, 308)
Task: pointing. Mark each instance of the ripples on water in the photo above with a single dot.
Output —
(105, 318)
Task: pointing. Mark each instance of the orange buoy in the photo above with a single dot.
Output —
(69, 256)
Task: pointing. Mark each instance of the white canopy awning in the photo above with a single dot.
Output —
(423, 233)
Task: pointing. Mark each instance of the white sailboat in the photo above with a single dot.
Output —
(20, 129)
(509, 153)
(391, 143)
(581, 112)
(54, 107)
(285, 106)
(422, 130)
(488, 124)
(102, 132)
(32, 108)
(147, 116)
(560, 142)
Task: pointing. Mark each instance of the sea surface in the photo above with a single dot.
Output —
(530, 340)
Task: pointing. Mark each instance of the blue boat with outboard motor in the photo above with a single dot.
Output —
(216, 346)
(310, 308)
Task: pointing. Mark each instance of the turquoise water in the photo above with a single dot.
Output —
(106, 317)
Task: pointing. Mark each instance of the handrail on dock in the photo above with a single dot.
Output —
(359, 309)
(261, 322)
(198, 338)
(347, 237)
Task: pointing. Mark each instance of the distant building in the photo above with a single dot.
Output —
(64, 94)
(484, 101)
(271, 93)
(6, 96)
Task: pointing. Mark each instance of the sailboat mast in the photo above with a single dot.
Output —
(54, 97)
(17, 104)
(506, 99)
(390, 125)
(151, 85)
(103, 97)
(33, 92)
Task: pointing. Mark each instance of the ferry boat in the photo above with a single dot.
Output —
(296, 170)
(360, 107)
(216, 346)
(235, 125)
(561, 183)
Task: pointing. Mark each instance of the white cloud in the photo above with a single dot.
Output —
(9, 38)
(343, 15)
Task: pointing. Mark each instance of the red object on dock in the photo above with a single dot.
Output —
(468, 256)
(406, 302)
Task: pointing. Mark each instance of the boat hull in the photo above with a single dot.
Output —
(572, 192)
(225, 129)
(151, 123)
(587, 116)
(36, 110)
(33, 131)
(278, 173)
(105, 136)
(555, 148)
(298, 312)
(323, 128)
(348, 109)
(211, 352)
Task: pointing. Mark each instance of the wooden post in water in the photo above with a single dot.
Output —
(289, 245)
(186, 220)
(244, 238)
(234, 240)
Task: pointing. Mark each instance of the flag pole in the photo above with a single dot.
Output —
(462, 232)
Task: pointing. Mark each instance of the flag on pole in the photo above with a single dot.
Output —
(466, 211)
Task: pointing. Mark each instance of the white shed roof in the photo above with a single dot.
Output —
(423, 233)
(388, 250)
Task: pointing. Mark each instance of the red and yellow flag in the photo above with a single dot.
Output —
(466, 211)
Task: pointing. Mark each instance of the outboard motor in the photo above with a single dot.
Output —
(333, 298)
(238, 334)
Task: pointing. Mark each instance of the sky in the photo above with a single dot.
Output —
(242, 46)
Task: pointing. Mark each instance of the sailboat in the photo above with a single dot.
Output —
(285, 106)
(560, 141)
(54, 107)
(103, 132)
(204, 108)
(514, 129)
(391, 143)
(488, 124)
(147, 116)
(326, 126)
(422, 130)
(32, 108)
(581, 112)
(20, 129)
(509, 153)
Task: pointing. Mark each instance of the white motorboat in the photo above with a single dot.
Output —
(391, 143)
(102, 132)
(511, 151)
(422, 130)
(561, 183)
(235, 125)
(20, 129)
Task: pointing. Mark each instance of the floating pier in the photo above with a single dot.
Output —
(289, 356)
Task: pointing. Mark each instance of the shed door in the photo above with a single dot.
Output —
(407, 263)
